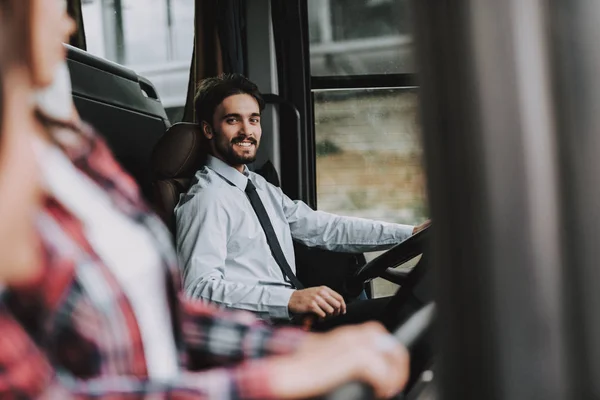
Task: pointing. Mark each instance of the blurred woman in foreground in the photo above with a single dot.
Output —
(24, 369)
(105, 308)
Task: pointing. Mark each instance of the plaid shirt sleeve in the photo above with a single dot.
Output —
(215, 337)
(26, 374)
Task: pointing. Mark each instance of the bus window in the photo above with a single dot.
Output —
(356, 37)
(367, 131)
(369, 154)
(152, 37)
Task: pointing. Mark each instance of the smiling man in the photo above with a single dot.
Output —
(235, 131)
(235, 230)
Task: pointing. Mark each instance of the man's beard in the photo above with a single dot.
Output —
(229, 155)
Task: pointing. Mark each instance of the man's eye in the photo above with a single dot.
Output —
(255, 120)
(231, 120)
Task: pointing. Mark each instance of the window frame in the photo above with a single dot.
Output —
(338, 82)
(374, 81)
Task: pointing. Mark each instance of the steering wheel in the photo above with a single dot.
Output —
(410, 333)
(384, 264)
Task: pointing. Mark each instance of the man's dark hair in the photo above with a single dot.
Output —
(212, 91)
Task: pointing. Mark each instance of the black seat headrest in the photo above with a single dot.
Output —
(180, 152)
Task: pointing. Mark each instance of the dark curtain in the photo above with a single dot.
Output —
(78, 37)
(231, 22)
(289, 18)
(288, 42)
(219, 43)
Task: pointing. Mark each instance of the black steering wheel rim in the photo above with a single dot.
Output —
(399, 254)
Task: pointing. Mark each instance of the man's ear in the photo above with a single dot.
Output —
(207, 130)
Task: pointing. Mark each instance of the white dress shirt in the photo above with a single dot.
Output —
(223, 249)
(127, 250)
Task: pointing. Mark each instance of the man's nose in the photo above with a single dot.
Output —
(247, 129)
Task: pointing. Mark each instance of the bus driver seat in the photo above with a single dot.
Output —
(178, 154)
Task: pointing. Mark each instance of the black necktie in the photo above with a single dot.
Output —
(265, 222)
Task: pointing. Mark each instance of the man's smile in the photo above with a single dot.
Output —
(245, 143)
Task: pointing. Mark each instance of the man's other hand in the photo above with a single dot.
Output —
(424, 225)
(320, 300)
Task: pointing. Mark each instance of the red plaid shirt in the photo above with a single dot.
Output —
(72, 332)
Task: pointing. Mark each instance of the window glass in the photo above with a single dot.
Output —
(152, 37)
(369, 154)
(356, 37)
(369, 158)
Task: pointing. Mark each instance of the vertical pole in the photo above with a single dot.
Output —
(170, 36)
(119, 33)
(114, 36)
(325, 22)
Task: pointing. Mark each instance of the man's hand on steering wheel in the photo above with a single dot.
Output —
(419, 228)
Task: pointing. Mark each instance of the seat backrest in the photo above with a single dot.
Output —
(124, 108)
(178, 154)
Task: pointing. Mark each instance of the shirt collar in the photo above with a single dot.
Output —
(229, 173)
